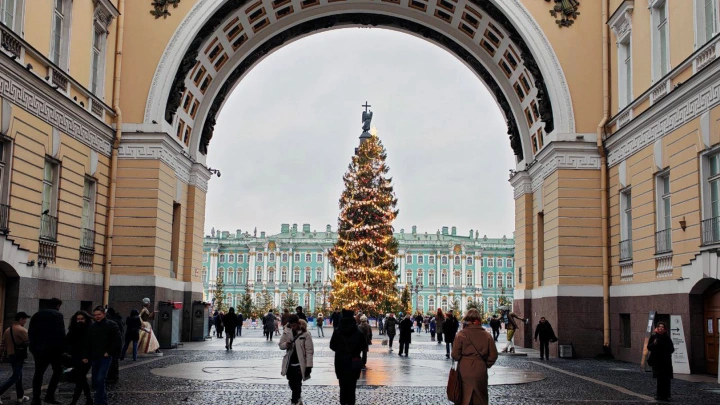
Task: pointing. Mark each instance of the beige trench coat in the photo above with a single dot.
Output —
(472, 368)
(304, 347)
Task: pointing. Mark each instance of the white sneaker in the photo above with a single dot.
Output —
(23, 399)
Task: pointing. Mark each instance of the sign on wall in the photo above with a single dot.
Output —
(648, 333)
(681, 364)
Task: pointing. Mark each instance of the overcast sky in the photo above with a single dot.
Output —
(286, 134)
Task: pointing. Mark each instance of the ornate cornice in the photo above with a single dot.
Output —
(160, 147)
(35, 96)
(564, 155)
(522, 184)
(621, 21)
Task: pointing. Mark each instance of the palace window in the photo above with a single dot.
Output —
(444, 278)
(490, 280)
(469, 278)
(284, 275)
(48, 228)
(491, 305)
(11, 12)
(240, 276)
(88, 214)
(706, 17)
(241, 258)
(318, 274)
(431, 259)
(509, 263)
(660, 41)
(259, 257)
(231, 258)
(296, 257)
(499, 280)
(97, 62)
(204, 275)
(231, 277)
(444, 304)
(408, 276)
(625, 76)
(663, 236)
(509, 280)
(419, 277)
(711, 205)
(221, 273)
(421, 259)
(625, 225)
(431, 277)
(222, 258)
(457, 261)
(469, 260)
(308, 274)
(60, 35)
(431, 303)
(271, 275)
(284, 257)
(444, 260)
(491, 262)
(420, 302)
(308, 257)
(258, 274)
(319, 257)
(457, 280)
(271, 257)
(408, 259)
(296, 275)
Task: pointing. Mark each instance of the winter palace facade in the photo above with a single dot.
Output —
(438, 268)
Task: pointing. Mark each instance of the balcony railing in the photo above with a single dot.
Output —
(48, 227)
(87, 239)
(663, 241)
(711, 231)
(4, 216)
(626, 249)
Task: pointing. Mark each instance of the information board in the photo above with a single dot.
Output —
(648, 332)
(681, 364)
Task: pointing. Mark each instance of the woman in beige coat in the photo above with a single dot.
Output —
(475, 351)
(298, 361)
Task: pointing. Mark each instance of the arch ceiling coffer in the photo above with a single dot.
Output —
(237, 21)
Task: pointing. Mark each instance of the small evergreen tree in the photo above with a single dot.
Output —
(290, 303)
(456, 308)
(246, 306)
(405, 301)
(219, 294)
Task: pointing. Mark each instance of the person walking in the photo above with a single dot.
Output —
(440, 320)
(219, 325)
(495, 326)
(661, 349)
(47, 337)
(390, 329)
(103, 342)
(406, 330)
(15, 338)
(132, 334)
(75, 342)
(418, 322)
(426, 323)
(335, 319)
(320, 321)
(450, 328)
(381, 320)
(545, 331)
(240, 321)
(475, 351)
(231, 322)
(510, 326)
(300, 314)
(269, 325)
(367, 331)
(285, 317)
(297, 363)
(433, 329)
(211, 321)
(114, 373)
(348, 343)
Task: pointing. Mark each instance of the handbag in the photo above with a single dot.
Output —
(21, 350)
(454, 385)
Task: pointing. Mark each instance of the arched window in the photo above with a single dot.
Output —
(457, 280)
(408, 259)
(204, 275)
(284, 275)
(509, 278)
(284, 257)
(431, 303)
(469, 278)
(431, 277)
(241, 258)
(240, 276)
(444, 260)
(490, 280)
(318, 274)
(271, 257)
(431, 259)
(319, 257)
(491, 305)
(222, 258)
(296, 257)
(231, 277)
(444, 278)
(271, 275)
(258, 274)
(308, 257)
(308, 274)
(457, 260)
(221, 273)
(491, 262)
(259, 257)
(408, 276)
(509, 263)
(469, 260)
(231, 258)
(501, 262)
(229, 300)
(419, 277)
(444, 304)
(296, 275)
(499, 280)
(421, 304)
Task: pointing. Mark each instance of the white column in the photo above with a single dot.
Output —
(326, 267)
(463, 279)
(478, 270)
(265, 266)
(212, 276)
(251, 266)
(451, 270)
(277, 299)
(437, 270)
(403, 280)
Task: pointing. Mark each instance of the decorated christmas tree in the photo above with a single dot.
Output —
(363, 256)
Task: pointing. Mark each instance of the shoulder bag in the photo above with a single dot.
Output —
(21, 350)
(454, 385)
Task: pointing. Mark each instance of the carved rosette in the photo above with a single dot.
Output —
(565, 12)
(160, 7)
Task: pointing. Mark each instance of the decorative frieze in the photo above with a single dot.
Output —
(664, 265)
(659, 91)
(162, 147)
(564, 155)
(565, 12)
(626, 271)
(705, 57)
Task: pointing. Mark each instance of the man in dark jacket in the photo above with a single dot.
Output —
(103, 343)
(348, 343)
(47, 337)
(335, 319)
(114, 373)
(231, 323)
(240, 321)
(390, 330)
(450, 328)
(406, 329)
(545, 331)
(299, 312)
(269, 325)
(495, 325)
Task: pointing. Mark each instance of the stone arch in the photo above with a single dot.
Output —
(498, 40)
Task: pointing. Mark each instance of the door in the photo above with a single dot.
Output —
(711, 326)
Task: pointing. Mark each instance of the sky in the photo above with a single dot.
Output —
(287, 132)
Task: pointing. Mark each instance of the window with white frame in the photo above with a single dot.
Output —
(444, 304)
(271, 275)
(469, 260)
(240, 276)
(88, 212)
(625, 76)
(491, 304)
(660, 38)
(706, 21)
(469, 278)
(444, 278)
(231, 277)
(625, 224)
(296, 275)
(231, 258)
(408, 259)
(499, 280)
(456, 261)
(431, 259)
(431, 277)
(259, 257)
(457, 279)
(204, 275)
(258, 274)
(241, 258)
(501, 262)
(419, 277)
(421, 259)
(509, 280)
(509, 263)
(491, 262)
(11, 12)
(271, 257)
(60, 32)
(319, 257)
(490, 280)
(308, 274)
(318, 274)
(444, 260)
(663, 241)
(222, 258)
(221, 273)
(431, 303)
(284, 257)
(97, 61)
(408, 276)
(296, 257)
(284, 275)
(308, 257)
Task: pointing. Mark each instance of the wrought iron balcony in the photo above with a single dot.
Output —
(87, 239)
(626, 249)
(711, 231)
(48, 227)
(663, 241)
(4, 216)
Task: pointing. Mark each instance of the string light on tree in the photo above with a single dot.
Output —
(363, 256)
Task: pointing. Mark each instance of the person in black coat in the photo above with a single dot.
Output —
(103, 342)
(269, 325)
(661, 349)
(231, 322)
(75, 345)
(450, 328)
(219, 325)
(495, 326)
(47, 338)
(299, 312)
(335, 319)
(114, 373)
(240, 324)
(545, 332)
(348, 343)
(132, 334)
(406, 329)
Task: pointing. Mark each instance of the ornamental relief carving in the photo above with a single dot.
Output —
(565, 12)
(160, 7)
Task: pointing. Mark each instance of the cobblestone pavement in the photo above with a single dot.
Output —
(565, 381)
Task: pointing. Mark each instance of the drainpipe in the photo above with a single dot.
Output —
(604, 176)
(114, 157)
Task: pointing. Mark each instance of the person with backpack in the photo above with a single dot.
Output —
(16, 339)
(132, 334)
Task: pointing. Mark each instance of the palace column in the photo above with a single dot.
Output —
(403, 278)
(326, 267)
(478, 271)
(265, 266)
(451, 270)
(251, 267)
(463, 267)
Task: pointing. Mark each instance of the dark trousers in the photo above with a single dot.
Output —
(295, 378)
(440, 336)
(42, 362)
(390, 340)
(545, 349)
(496, 334)
(82, 386)
(238, 331)
(100, 368)
(125, 348)
(15, 378)
(229, 337)
(448, 346)
(347, 391)
(405, 348)
(663, 387)
(364, 357)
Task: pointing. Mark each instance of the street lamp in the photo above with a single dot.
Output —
(312, 288)
(415, 288)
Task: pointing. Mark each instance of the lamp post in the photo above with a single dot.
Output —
(416, 289)
(312, 288)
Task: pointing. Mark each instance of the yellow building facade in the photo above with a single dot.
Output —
(109, 106)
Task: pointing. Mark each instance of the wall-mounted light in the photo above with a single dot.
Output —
(30, 263)
(214, 171)
(683, 224)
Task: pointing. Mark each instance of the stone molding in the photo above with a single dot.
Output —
(559, 291)
(522, 184)
(199, 177)
(122, 280)
(677, 108)
(563, 155)
(621, 20)
(35, 96)
(157, 146)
